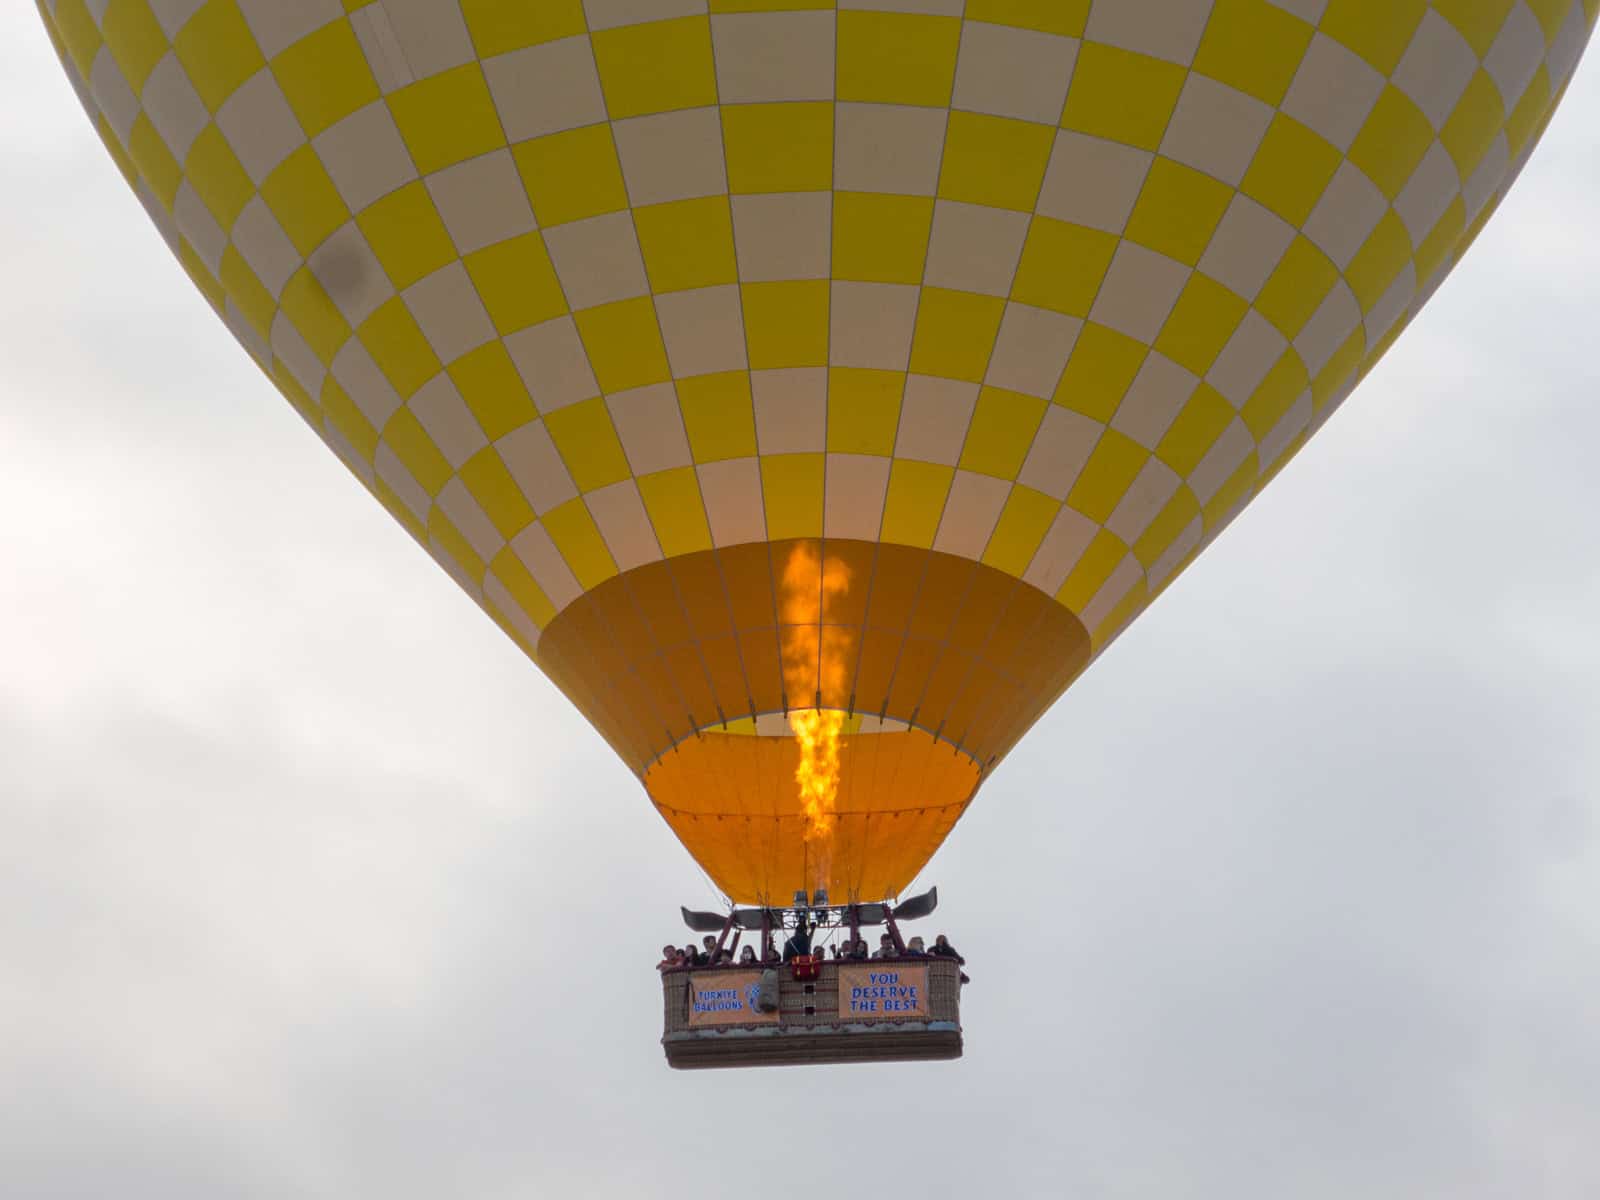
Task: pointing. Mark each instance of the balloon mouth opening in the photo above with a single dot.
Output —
(766, 814)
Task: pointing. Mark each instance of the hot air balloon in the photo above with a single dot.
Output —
(813, 391)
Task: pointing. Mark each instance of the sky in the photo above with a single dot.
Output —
(311, 886)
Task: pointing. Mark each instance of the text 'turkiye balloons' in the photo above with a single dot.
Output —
(813, 393)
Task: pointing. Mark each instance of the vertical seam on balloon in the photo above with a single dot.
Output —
(983, 739)
(916, 312)
(1010, 721)
(1188, 71)
(749, 378)
(943, 644)
(956, 695)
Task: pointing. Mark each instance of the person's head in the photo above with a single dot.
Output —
(669, 951)
(748, 954)
(688, 951)
(941, 940)
(886, 942)
(861, 947)
(709, 942)
(915, 945)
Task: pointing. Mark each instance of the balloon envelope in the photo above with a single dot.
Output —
(813, 394)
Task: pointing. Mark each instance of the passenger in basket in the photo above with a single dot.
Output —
(943, 949)
(886, 948)
(858, 950)
(772, 957)
(671, 960)
(914, 949)
(747, 957)
(707, 952)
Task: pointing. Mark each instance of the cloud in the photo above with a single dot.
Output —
(310, 886)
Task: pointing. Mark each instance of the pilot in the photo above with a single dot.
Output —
(799, 942)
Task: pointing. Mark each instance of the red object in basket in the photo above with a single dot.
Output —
(806, 966)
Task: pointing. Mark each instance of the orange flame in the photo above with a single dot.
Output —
(815, 660)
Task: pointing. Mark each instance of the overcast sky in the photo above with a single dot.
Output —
(311, 886)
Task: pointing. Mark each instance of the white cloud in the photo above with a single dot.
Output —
(310, 886)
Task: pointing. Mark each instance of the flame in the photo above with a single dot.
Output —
(817, 731)
(815, 660)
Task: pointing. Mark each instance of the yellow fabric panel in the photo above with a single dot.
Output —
(791, 486)
(624, 345)
(516, 283)
(399, 347)
(1064, 17)
(917, 491)
(213, 170)
(134, 39)
(1203, 319)
(880, 239)
(655, 67)
(955, 333)
(994, 160)
(1379, 33)
(1063, 266)
(412, 445)
(572, 175)
(786, 324)
(574, 532)
(454, 543)
(447, 118)
(672, 498)
(218, 51)
(1002, 429)
(896, 58)
(304, 200)
(306, 303)
(778, 147)
(1105, 478)
(1023, 523)
(1178, 211)
(496, 492)
(245, 290)
(588, 443)
(1477, 120)
(1296, 287)
(509, 569)
(501, 26)
(1102, 366)
(687, 243)
(1392, 141)
(153, 160)
(488, 381)
(1290, 170)
(1195, 430)
(405, 233)
(325, 77)
(1092, 570)
(717, 415)
(1122, 96)
(1254, 47)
